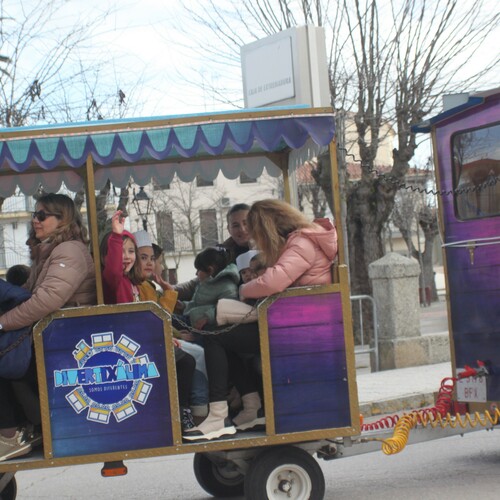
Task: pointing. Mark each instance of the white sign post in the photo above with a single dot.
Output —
(275, 81)
(287, 68)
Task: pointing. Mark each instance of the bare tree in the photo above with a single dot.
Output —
(310, 192)
(415, 212)
(428, 222)
(387, 61)
(43, 62)
(49, 73)
(48, 76)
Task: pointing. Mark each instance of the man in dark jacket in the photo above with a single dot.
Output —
(236, 244)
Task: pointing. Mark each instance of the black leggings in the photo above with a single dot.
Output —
(184, 364)
(226, 354)
(19, 401)
(11, 413)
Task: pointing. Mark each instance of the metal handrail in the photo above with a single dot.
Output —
(363, 347)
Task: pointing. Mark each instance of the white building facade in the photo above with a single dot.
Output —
(15, 223)
(186, 217)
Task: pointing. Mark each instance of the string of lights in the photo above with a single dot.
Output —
(492, 180)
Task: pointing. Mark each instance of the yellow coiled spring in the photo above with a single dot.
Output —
(407, 422)
(436, 416)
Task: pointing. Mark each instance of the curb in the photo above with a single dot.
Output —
(403, 403)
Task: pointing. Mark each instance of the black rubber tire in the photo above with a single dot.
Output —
(10, 490)
(284, 473)
(216, 479)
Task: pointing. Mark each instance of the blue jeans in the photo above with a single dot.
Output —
(199, 388)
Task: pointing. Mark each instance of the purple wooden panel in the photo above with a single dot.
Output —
(306, 310)
(309, 367)
(325, 420)
(312, 398)
(308, 363)
(307, 338)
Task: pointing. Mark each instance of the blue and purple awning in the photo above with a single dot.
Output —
(159, 147)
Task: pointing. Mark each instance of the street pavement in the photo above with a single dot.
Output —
(404, 389)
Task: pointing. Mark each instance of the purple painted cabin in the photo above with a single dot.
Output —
(467, 142)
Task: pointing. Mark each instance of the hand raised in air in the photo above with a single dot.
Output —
(118, 222)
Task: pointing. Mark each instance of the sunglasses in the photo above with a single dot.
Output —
(41, 215)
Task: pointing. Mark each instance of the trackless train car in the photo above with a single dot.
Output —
(106, 373)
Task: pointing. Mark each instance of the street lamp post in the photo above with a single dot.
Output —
(142, 205)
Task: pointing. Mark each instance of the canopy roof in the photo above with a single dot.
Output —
(471, 101)
(160, 147)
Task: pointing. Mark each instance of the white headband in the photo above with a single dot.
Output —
(243, 260)
(142, 239)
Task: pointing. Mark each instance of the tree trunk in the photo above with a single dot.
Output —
(368, 207)
(429, 224)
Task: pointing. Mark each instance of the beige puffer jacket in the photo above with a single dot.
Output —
(63, 277)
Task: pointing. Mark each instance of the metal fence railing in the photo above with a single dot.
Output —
(366, 343)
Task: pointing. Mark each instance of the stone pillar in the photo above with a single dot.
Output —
(395, 291)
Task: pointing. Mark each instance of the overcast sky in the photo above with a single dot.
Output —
(143, 36)
(150, 45)
(174, 75)
(146, 32)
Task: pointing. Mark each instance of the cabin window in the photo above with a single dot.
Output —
(160, 186)
(208, 227)
(201, 182)
(476, 172)
(245, 179)
(165, 225)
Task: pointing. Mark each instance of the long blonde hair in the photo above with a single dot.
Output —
(270, 222)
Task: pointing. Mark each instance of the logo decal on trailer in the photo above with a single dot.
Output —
(109, 379)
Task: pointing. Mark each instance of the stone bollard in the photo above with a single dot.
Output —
(395, 291)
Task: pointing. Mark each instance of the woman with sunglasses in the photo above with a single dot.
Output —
(62, 275)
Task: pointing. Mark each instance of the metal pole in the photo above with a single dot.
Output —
(94, 235)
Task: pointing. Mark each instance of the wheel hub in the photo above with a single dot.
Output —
(285, 486)
(289, 481)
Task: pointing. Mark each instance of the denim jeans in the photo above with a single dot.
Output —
(199, 388)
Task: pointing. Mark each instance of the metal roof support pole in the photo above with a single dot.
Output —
(338, 200)
(281, 160)
(94, 234)
(286, 178)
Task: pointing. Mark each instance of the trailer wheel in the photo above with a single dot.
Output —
(9, 491)
(220, 479)
(285, 472)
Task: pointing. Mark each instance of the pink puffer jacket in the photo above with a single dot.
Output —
(306, 260)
